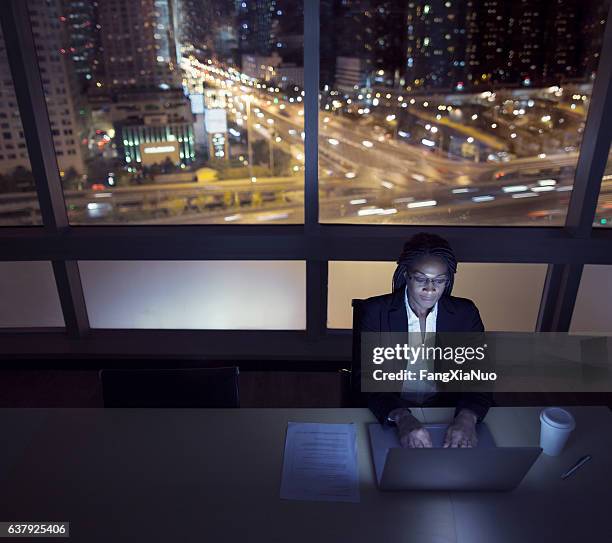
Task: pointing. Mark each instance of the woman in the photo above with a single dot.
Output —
(421, 303)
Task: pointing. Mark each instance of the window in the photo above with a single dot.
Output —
(486, 132)
(592, 309)
(162, 271)
(511, 308)
(29, 295)
(218, 295)
(231, 151)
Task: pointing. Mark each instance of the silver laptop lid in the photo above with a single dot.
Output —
(485, 467)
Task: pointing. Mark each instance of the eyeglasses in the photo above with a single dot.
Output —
(421, 281)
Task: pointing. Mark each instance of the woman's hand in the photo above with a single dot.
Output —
(411, 431)
(462, 432)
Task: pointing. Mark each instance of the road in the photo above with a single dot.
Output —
(368, 170)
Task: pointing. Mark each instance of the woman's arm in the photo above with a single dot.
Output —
(380, 403)
(476, 402)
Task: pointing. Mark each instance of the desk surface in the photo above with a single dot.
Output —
(214, 475)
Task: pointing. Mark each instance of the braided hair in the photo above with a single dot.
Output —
(419, 246)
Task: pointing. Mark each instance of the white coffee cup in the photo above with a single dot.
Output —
(556, 426)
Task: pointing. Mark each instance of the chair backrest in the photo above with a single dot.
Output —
(356, 396)
(184, 387)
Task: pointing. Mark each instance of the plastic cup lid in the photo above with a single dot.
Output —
(558, 418)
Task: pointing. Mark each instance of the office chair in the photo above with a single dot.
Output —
(185, 387)
(353, 397)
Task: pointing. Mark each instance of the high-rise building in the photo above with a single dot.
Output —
(56, 70)
(78, 20)
(592, 24)
(202, 25)
(328, 44)
(194, 25)
(504, 42)
(139, 91)
(525, 30)
(354, 30)
(388, 41)
(226, 43)
(485, 39)
(562, 39)
(531, 42)
(139, 47)
(271, 38)
(155, 135)
(351, 73)
(435, 51)
(256, 22)
(370, 35)
(288, 30)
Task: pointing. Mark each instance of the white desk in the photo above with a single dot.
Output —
(214, 475)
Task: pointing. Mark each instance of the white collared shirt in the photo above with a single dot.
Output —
(419, 391)
(414, 325)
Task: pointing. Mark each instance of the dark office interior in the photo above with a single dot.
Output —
(196, 196)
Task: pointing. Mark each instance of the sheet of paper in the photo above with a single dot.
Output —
(320, 463)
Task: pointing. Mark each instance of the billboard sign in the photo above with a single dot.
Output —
(215, 121)
(158, 152)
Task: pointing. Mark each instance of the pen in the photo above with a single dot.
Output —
(577, 465)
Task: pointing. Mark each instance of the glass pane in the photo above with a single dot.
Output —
(168, 112)
(18, 198)
(603, 214)
(462, 113)
(507, 295)
(218, 295)
(29, 295)
(592, 309)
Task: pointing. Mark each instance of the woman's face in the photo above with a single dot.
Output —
(426, 282)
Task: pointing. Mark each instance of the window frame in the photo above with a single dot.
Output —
(565, 249)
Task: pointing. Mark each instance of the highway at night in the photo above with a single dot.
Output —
(383, 158)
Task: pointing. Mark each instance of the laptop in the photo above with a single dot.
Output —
(484, 467)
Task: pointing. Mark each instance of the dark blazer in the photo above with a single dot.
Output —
(387, 313)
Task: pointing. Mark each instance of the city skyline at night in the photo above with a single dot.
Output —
(460, 111)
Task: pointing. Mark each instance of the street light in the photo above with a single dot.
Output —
(248, 127)
(271, 149)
